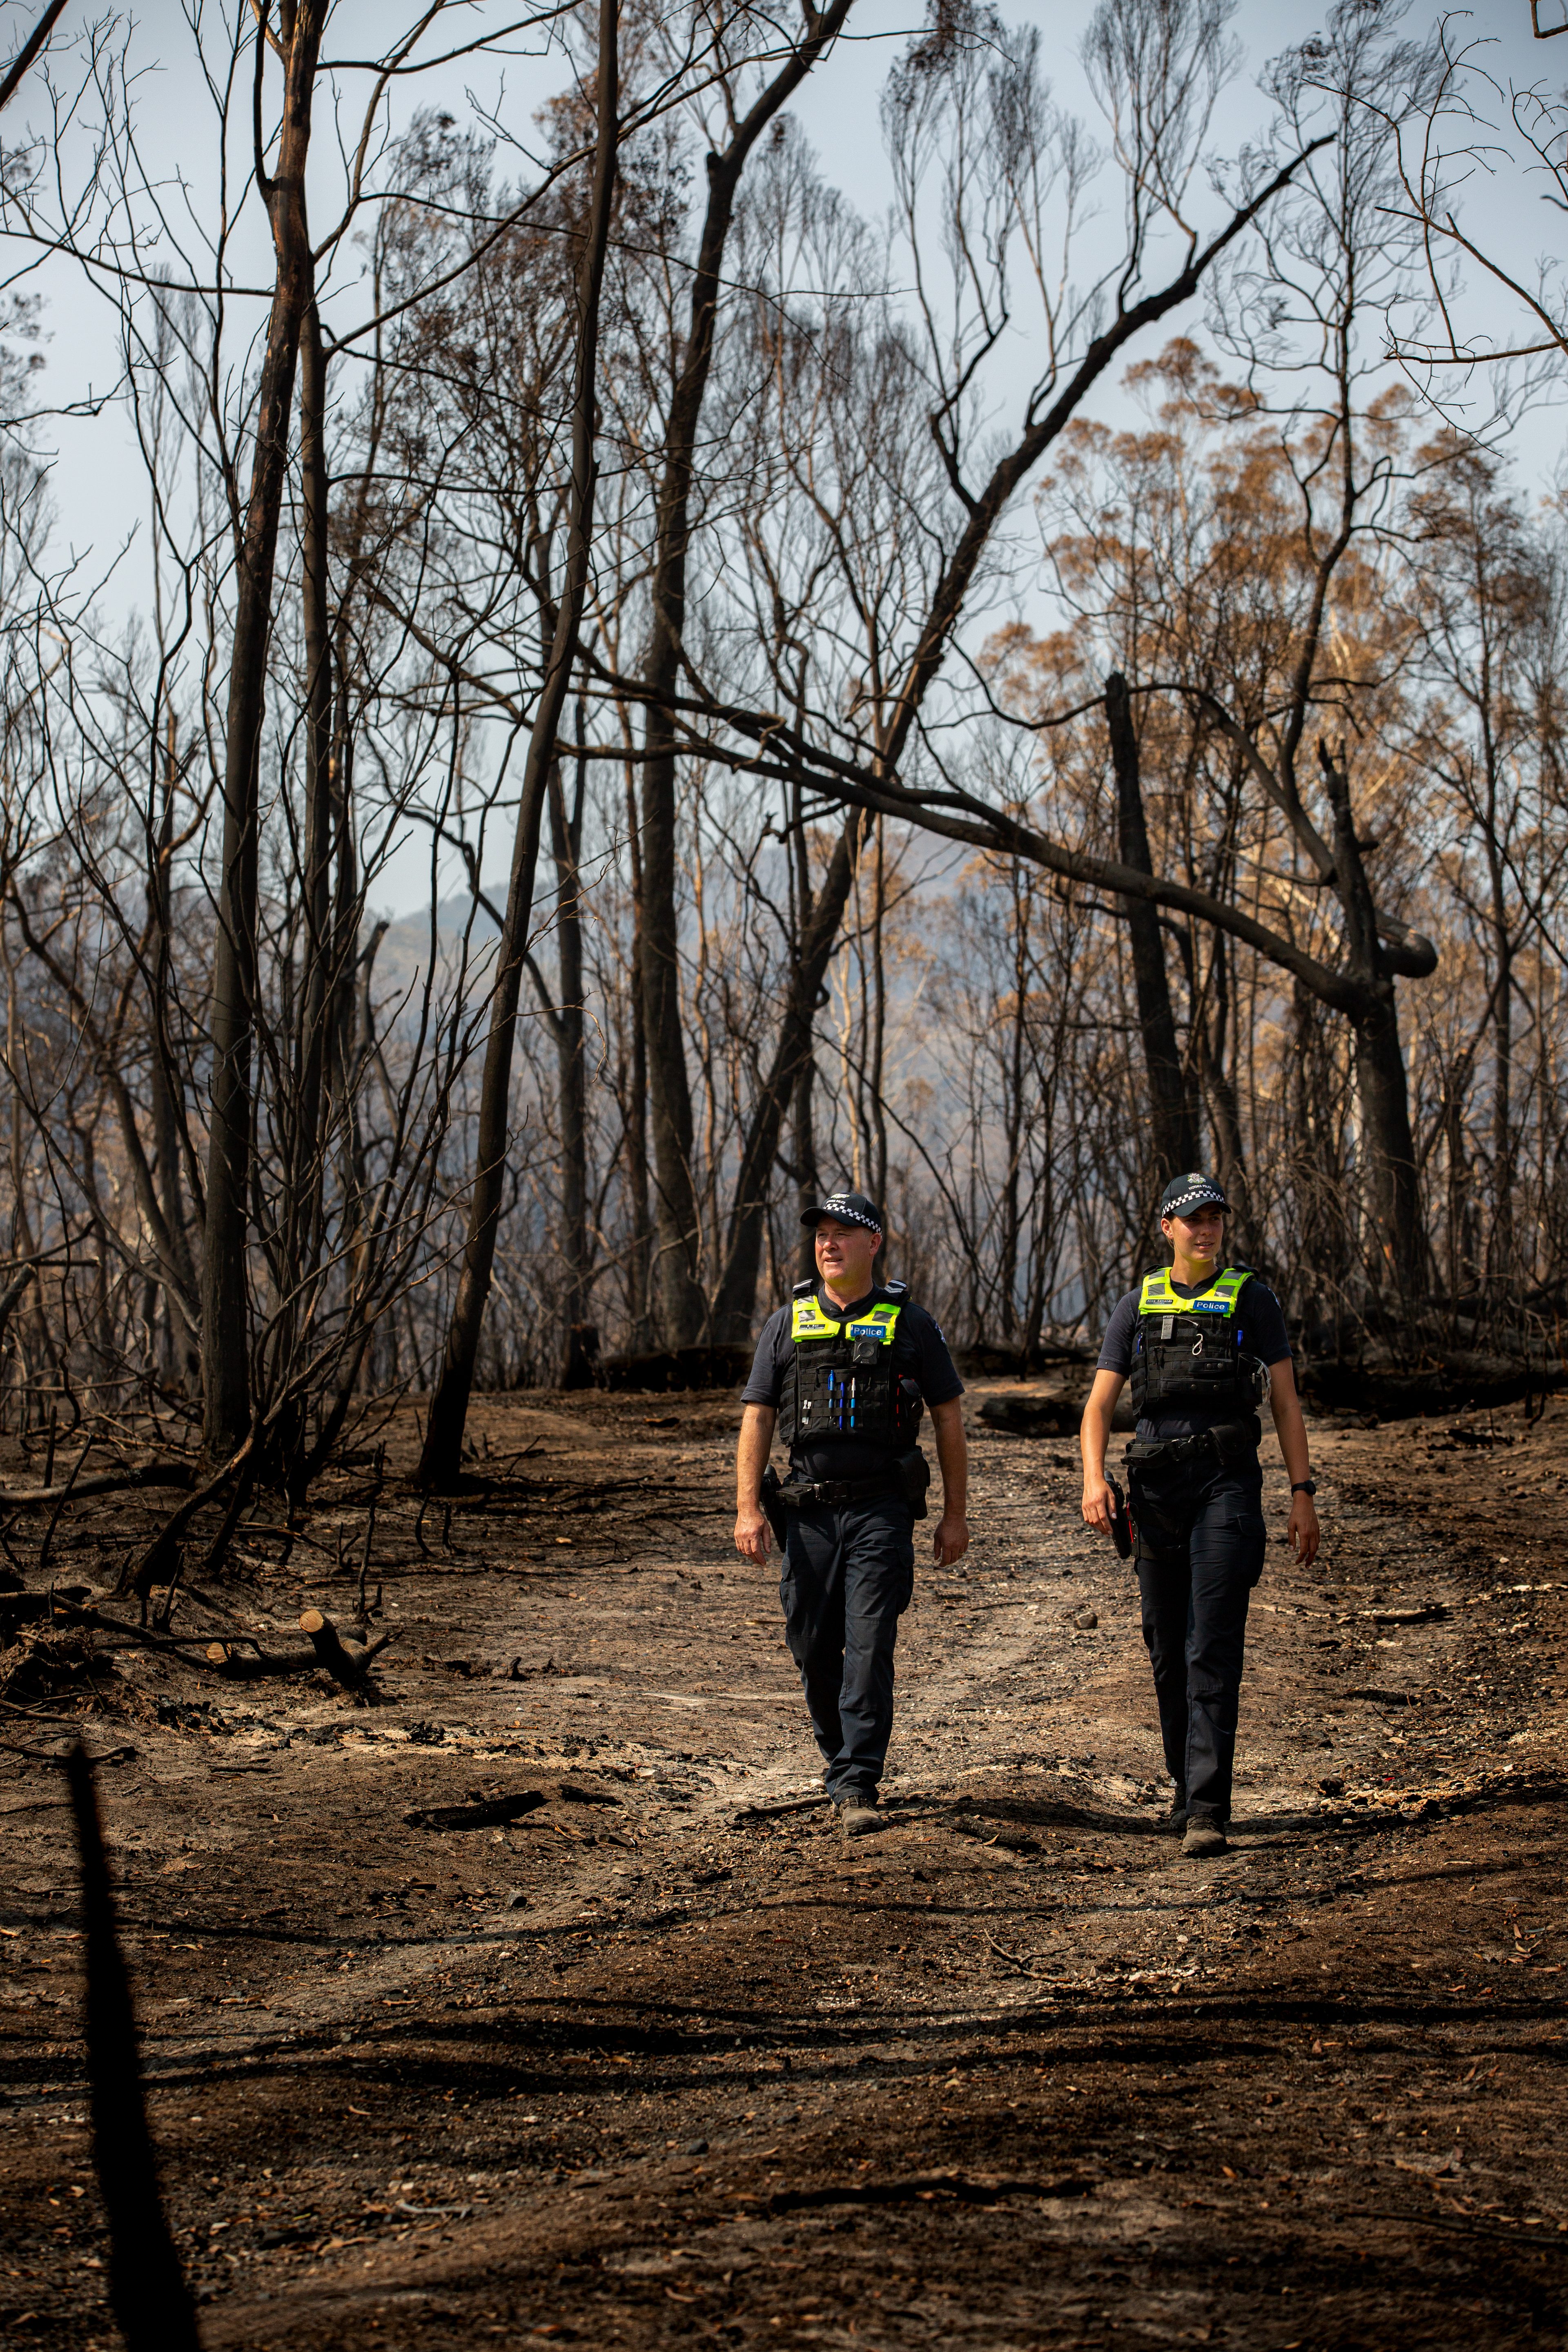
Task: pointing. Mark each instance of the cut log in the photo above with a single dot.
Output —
(346, 1662)
(1032, 1416)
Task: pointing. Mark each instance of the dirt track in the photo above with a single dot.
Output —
(664, 2061)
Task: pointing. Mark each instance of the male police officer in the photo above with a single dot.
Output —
(1205, 1343)
(843, 1371)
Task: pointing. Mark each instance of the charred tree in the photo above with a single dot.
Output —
(676, 1214)
(226, 1334)
(579, 1345)
(442, 1455)
(1174, 1140)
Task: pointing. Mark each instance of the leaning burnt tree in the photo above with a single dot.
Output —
(1379, 950)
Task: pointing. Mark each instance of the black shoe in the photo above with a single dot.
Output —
(1176, 1819)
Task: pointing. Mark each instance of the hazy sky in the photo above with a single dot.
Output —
(98, 489)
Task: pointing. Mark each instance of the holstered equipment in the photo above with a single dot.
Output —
(1192, 1352)
(915, 1472)
(1120, 1525)
(770, 1495)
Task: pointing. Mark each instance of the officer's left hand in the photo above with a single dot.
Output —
(1304, 1533)
(951, 1541)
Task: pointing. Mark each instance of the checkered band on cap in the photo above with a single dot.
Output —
(835, 1205)
(850, 1210)
(1189, 1193)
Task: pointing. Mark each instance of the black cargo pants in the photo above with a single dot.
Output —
(1199, 1550)
(848, 1574)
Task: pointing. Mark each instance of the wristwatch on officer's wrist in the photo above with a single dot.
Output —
(1305, 1487)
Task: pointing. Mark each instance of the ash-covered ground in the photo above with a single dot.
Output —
(661, 2060)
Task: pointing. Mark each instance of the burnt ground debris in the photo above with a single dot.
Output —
(617, 2043)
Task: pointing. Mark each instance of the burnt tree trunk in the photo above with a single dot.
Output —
(677, 1212)
(1213, 1036)
(226, 1339)
(1381, 1083)
(792, 1053)
(803, 1124)
(1174, 1143)
(299, 1223)
(578, 1344)
(442, 1455)
(311, 1049)
(181, 1312)
(634, 1140)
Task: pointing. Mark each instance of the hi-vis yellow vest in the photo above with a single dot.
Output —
(807, 1321)
(1193, 1352)
(1159, 1294)
(842, 1380)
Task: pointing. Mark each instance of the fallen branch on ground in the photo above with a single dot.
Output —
(162, 1473)
(347, 1661)
(160, 1558)
(70, 1614)
(240, 1661)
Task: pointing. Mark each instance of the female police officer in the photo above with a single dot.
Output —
(844, 1370)
(1205, 1343)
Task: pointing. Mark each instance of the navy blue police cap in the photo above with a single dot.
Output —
(849, 1208)
(1185, 1193)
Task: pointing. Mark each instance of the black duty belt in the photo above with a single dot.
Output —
(838, 1490)
(1230, 1438)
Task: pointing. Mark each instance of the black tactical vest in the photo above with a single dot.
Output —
(1193, 1352)
(842, 1381)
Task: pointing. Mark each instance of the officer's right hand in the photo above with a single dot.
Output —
(752, 1533)
(1099, 1503)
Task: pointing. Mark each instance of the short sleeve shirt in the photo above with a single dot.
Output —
(919, 1353)
(1263, 1334)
